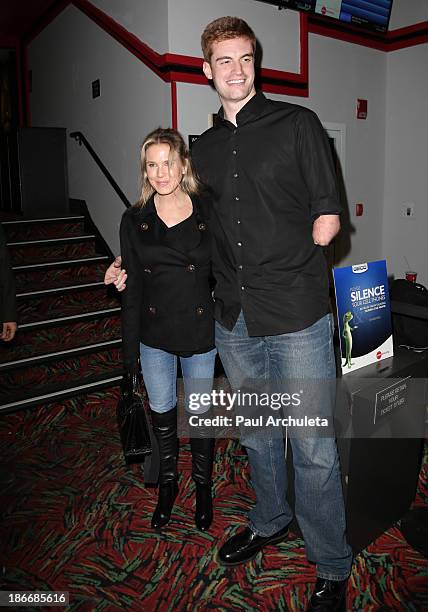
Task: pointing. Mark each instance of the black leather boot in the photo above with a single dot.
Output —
(202, 464)
(165, 430)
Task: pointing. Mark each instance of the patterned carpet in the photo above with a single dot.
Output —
(75, 518)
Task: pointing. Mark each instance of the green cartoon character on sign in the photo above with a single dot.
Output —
(347, 335)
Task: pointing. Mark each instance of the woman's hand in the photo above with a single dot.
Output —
(116, 275)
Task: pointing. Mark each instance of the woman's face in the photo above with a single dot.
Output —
(164, 173)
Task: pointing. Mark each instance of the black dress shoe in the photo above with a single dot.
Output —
(328, 595)
(245, 545)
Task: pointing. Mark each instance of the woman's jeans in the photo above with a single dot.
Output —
(159, 370)
(306, 356)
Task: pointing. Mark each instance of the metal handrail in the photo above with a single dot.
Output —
(80, 138)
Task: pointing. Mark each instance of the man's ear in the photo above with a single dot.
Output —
(207, 70)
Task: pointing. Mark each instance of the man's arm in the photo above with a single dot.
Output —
(116, 275)
(325, 228)
(316, 162)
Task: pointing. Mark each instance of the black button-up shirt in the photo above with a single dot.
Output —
(270, 177)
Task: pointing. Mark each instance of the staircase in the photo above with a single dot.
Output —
(69, 338)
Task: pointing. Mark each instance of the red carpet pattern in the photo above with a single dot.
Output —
(76, 518)
(60, 277)
(33, 342)
(69, 303)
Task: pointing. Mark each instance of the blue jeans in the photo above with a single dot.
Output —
(303, 355)
(159, 370)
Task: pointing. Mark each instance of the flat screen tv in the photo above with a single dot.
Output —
(371, 14)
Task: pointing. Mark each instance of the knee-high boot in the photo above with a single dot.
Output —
(202, 463)
(165, 430)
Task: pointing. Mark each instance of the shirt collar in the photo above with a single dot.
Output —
(252, 109)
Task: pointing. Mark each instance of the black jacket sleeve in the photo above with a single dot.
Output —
(7, 284)
(132, 295)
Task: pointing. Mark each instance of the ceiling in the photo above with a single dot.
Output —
(18, 16)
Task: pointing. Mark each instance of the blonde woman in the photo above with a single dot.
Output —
(167, 308)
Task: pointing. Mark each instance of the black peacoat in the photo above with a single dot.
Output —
(168, 301)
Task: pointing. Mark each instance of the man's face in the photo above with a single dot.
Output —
(232, 69)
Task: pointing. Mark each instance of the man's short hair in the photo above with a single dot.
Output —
(225, 28)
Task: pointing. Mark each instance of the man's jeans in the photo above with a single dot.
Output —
(307, 354)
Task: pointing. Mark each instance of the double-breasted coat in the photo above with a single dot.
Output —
(168, 301)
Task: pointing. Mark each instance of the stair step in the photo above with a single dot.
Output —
(51, 241)
(82, 316)
(41, 220)
(41, 341)
(70, 303)
(65, 289)
(63, 394)
(62, 275)
(54, 250)
(46, 228)
(23, 383)
(36, 360)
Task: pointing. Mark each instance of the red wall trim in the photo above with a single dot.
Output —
(391, 41)
(182, 68)
(173, 68)
(174, 105)
(304, 47)
(46, 19)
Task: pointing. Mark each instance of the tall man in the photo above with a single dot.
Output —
(270, 172)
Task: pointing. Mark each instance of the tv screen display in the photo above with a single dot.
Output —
(372, 14)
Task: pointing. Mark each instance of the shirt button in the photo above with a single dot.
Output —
(202, 226)
(242, 288)
(234, 151)
(144, 226)
(200, 311)
(147, 270)
(235, 175)
(152, 310)
(237, 198)
(235, 130)
(238, 221)
(240, 267)
(239, 244)
(190, 268)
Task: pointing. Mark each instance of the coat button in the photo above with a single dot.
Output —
(144, 226)
(202, 226)
(152, 310)
(200, 311)
(147, 270)
(190, 268)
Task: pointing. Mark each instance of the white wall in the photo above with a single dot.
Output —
(407, 12)
(406, 174)
(65, 58)
(147, 19)
(277, 31)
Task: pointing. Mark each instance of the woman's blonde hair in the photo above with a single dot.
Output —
(174, 140)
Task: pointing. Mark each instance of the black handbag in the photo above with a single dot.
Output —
(133, 422)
